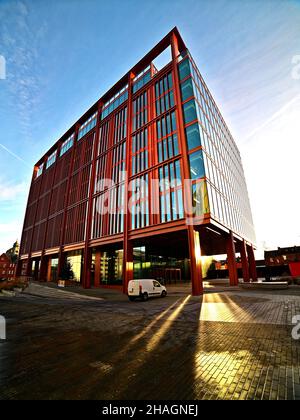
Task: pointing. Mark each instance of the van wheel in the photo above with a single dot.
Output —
(131, 298)
(145, 296)
(163, 293)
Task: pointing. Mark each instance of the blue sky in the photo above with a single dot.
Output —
(62, 55)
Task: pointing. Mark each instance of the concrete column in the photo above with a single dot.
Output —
(195, 261)
(231, 260)
(245, 264)
(252, 264)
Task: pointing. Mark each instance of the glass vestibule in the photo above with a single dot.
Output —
(111, 267)
(145, 265)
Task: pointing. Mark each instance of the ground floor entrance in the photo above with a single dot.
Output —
(173, 257)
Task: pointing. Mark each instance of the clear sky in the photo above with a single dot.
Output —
(61, 55)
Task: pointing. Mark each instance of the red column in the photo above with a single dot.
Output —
(193, 236)
(87, 253)
(127, 264)
(19, 268)
(86, 271)
(43, 268)
(252, 264)
(29, 268)
(195, 261)
(127, 244)
(61, 255)
(245, 264)
(231, 260)
(97, 268)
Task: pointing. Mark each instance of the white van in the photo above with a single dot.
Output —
(145, 288)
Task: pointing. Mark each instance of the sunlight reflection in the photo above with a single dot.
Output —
(156, 338)
(220, 307)
(152, 324)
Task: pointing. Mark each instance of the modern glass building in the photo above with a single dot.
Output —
(144, 184)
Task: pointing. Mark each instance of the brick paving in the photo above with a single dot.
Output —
(231, 344)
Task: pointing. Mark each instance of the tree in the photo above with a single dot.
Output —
(67, 272)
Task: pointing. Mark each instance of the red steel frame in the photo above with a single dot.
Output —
(127, 238)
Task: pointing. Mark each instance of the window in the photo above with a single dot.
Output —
(170, 186)
(141, 79)
(40, 170)
(166, 125)
(118, 162)
(193, 136)
(196, 165)
(167, 148)
(104, 136)
(139, 202)
(75, 260)
(51, 159)
(118, 99)
(164, 94)
(200, 198)
(67, 144)
(189, 111)
(140, 152)
(187, 89)
(184, 69)
(120, 125)
(116, 209)
(88, 125)
(140, 111)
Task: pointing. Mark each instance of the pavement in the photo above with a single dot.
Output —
(95, 344)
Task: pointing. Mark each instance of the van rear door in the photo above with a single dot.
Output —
(134, 288)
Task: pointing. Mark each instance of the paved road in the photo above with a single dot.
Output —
(231, 344)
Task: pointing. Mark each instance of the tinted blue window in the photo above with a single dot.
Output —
(193, 136)
(187, 90)
(196, 165)
(184, 69)
(189, 111)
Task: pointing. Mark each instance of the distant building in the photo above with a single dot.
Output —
(7, 268)
(13, 253)
(283, 261)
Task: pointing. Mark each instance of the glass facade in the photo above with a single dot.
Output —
(224, 188)
(141, 79)
(51, 159)
(111, 267)
(87, 126)
(74, 258)
(147, 264)
(164, 94)
(117, 100)
(193, 136)
(139, 202)
(170, 192)
(40, 170)
(53, 270)
(140, 111)
(139, 161)
(67, 144)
